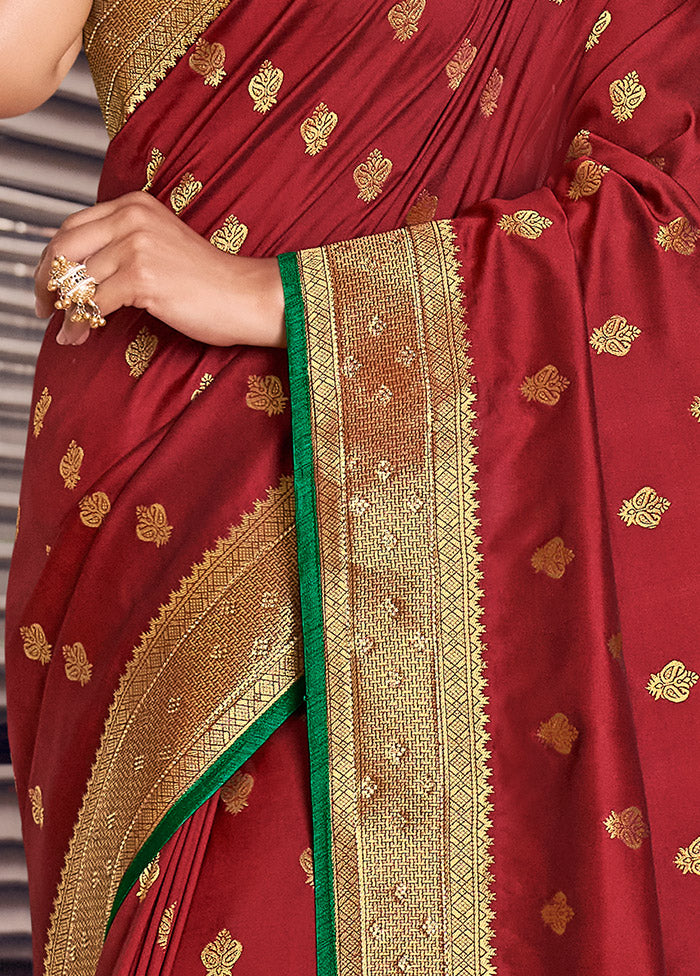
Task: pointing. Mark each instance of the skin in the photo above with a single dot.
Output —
(137, 250)
(143, 256)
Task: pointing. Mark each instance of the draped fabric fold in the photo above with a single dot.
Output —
(490, 262)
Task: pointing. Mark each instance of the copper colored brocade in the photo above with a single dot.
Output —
(378, 656)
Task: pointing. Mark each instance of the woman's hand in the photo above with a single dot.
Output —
(142, 255)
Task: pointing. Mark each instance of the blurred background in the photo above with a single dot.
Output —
(50, 162)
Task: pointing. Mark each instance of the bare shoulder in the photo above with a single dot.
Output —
(49, 44)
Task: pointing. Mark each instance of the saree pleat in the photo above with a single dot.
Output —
(495, 417)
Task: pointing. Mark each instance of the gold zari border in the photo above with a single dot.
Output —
(393, 417)
(132, 44)
(223, 650)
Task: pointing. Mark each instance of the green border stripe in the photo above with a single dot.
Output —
(311, 611)
(205, 787)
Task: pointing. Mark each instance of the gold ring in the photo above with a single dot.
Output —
(75, 286)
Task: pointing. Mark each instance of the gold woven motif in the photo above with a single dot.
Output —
(148, 878)
(601, 24)
(626, 95)
(545, 387)
(37, 802)
(266, 393)
(615, 646)
(70, 464)
(644, 509)
(165, 925)
(423, 210)
(306, 860)
(694, 408)
(488, 100)
(524, 223)
(615, 336)
(629, 826)
(679, 236)
(371, 175)
(206, 380)
(587, 180)
(93, 509)
(264, 86)
(154, 164)
(688, 858)
(140, 352)
(316, 130)
(673, 683)
(220, 956)
(458, 66)
(77, 666)
(557, 913)
(195, 652)
(558, 733)
(230, 236)
(235, 793)
(132, 44)
(404, 18)
(40, 410)
(34, 643)
(411, 858)
(152, 524)
(208, 61)
(552, 558)
(184, 193)
(580, 145)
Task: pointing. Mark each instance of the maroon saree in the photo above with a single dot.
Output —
(493, 391)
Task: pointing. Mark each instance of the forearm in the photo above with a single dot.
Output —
(37, 49)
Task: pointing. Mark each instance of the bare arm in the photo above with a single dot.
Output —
(39, 41)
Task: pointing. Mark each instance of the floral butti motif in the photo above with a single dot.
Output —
(673, 683)
(545, 387)
(557, 913)
(220, 956)
(265, 393)
(152, 524)
(524, 223)
(552, 558)
(644, 509)
(629, 826)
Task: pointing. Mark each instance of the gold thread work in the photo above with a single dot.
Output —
(400, 729)
(40, 410)
(132, 44)
(628, 826)
(673, 682)
(191, 684)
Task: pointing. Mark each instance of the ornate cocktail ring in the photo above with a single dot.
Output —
(75, 287)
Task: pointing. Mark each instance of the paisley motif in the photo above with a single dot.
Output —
(626, 95)
(264, 86)
(644, 509)
(524, 223)
(371, 175)
(673, 683)
(545, 387)
(316, 130)
(615, 336)
(404, 18)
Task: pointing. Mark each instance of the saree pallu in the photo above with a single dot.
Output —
(495, 417)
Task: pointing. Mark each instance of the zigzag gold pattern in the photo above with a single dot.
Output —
(410, 856)
(191, 689)
(132, 44)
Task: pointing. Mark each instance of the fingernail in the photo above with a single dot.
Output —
(62, 338)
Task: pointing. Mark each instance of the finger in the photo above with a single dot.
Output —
(80, 238)
(72, 333)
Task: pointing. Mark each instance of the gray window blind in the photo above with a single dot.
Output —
(50, 162)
